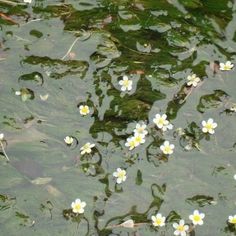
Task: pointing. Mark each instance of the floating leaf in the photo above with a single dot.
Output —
(173, 217)
(35, 76)
(36, 33)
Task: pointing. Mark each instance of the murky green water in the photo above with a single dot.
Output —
(63, 54)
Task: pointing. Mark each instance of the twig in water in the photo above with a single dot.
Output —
(35, 20)
(7, 18)
(11, 3)
(3, 150)
(72, 45)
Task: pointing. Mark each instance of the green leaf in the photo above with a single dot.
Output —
(200, 200)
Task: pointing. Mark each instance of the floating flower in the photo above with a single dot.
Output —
(226, 66)
(197, 217)
(131, 143)
(193, 80)
(27, 1)
(233, 108)
(125, 83)
(141, 129)
(44, 97)
(139, 139)
(87, 148)
(235, 176)
(17, 93)
(120, 174)
(232, 219)
(158, 220)
(84, 110)
(167, 148)
(166, 127)
(1, 136)
(181, 228)
(78, 206)
(162, 122)
(68, 140)
(209, 126)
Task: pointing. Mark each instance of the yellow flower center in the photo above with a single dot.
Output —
(196, 218)
(126, 83)
(161, 121)
(77, 207)
(167, 149)
(132, 143)
(209, 126)
(138, 139)
(86, 146)
(180, 228)
(158, 221)
(121, 174)
(226, 67)
(84, 110)
(233, 221)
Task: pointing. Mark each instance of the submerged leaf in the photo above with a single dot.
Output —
(201, 200)
(213, 100)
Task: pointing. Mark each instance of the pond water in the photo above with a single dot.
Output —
(56, 56)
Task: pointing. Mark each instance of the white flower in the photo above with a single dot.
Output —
(120, 174)
(226, 66)
(181, 228)
(78, 206)
(197, 217)
(141, 129)
(1, 136)
(233, 108)
(232, 219)
(131, 143)
(139, 139)
(125, 83)
(84, 110)
(166, 127)
(158, 220)
(161, 122)
(86, 148)
(167, 148)
(17, 93)
(44, 97)
(193, 80)
(235, 176)
(68, 140)
(27, 1)
(209, 126)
